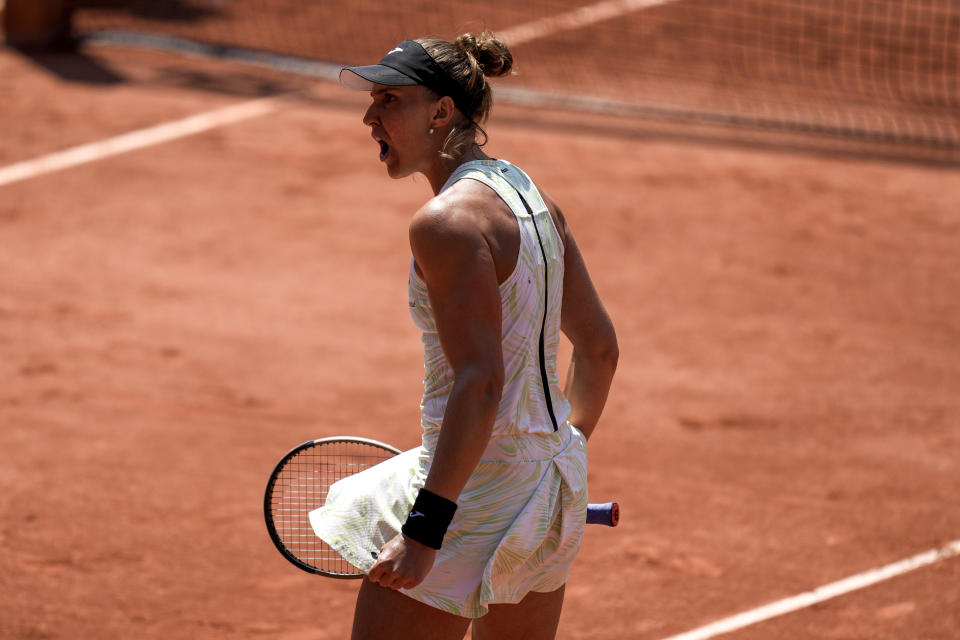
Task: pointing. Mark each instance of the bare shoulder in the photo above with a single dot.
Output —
(444, 216)
(467, 209)
(445, 234)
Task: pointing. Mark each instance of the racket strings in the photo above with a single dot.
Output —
(302, 485)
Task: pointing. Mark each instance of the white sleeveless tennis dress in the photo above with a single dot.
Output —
(521, 516)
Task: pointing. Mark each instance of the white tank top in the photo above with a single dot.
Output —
(523, 405)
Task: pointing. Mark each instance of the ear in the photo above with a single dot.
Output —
(444, 113)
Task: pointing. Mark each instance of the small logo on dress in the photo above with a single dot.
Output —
(417, 514)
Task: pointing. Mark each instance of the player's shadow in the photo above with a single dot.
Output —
(72, 65)
(75, 63)
(63, 53)
(169, 10)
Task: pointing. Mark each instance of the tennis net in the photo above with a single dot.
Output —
(884, 71)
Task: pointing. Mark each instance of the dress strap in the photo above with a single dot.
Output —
(490, 173)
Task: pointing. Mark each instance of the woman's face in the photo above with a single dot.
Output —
(399, 120)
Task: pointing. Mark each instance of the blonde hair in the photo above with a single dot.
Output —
(469, 60)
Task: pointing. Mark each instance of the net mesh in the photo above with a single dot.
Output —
(881, 70)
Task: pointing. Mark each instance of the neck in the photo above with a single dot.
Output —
(443, 169)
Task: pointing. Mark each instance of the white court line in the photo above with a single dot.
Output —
(575, 19)
(820, 594)
(136, 140)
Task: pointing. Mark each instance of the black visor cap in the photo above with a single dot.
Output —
(406, 65)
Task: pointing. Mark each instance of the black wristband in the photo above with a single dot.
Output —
(429, 518)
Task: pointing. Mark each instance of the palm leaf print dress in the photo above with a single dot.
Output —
(520, 518)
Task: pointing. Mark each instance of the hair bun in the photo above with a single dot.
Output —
(493, 57)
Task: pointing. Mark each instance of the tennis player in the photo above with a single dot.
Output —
(483, 520)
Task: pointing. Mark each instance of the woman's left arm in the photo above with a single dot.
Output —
(456, 263)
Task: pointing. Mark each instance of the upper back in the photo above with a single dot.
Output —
(495, 194)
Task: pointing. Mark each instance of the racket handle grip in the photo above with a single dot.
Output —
(607, 513)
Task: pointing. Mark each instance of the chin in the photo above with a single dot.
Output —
(397, 173)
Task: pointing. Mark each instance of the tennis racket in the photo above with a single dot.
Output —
(299, 484)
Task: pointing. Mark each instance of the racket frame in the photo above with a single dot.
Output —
(275, 476)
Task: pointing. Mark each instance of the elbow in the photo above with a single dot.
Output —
(493, 387)
(483, 383)
(609, 347)
(489, 388)
(611, 356)
(613, 349)
(603, 350)
(608, 356)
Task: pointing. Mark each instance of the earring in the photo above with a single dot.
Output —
(431, 130)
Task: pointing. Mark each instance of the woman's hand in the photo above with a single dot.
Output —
(403, 563)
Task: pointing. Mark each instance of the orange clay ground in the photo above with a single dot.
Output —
(172, 320)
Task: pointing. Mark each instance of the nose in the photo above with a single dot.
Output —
(370, 117)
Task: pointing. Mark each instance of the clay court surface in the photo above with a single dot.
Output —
(174, 319)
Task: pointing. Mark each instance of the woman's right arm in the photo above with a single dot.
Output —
(588, 327)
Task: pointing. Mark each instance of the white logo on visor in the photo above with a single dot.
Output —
(394, 50)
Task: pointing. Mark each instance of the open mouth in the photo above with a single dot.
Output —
(384, 149)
